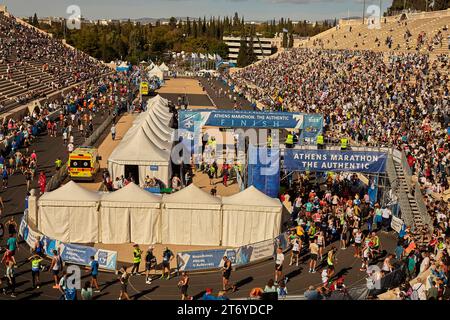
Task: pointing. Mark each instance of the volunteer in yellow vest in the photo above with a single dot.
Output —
(269, 141)
(137, 257)
(35, 270)
(289, 140)
(344, 143)
(320, 142)
(58, 164)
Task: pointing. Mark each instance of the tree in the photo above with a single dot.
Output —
(285, 40)
(441, 4)
(251, 56)
(35, 21)
(291, 40)
(242, 59)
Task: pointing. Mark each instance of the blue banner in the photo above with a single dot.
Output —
(334, 160)
(203, 260)
(213, 259)
(70, 253)
(312, 127)
(190, 119)
(263, 170)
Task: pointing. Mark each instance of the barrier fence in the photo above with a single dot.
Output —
(245, 255)
(70, 253)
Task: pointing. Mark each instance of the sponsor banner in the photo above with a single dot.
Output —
(28, 234)
(255, 252)
(335, 160)
(200, 260)
(213, 259)
(312, 127)
(396, 224)
(70, 253)
(190, 120)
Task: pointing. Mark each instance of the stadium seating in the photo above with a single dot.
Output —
(364, 37)
(38, 64)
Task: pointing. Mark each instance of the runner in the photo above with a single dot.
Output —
(295, 251)
(56, 267)
(168, 256)
(226, 273)
(314, 251)
(150, 263)
(93, 270)
(183, 285)
(123, 279)
(279, 265)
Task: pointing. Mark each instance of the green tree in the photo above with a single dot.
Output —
(291, 40)
(35, 21)
(242, 59)
(285, 40)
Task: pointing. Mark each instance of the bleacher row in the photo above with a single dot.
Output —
(358, 36)
(33, 64)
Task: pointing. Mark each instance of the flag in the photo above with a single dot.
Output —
(218, 58)
(285, 30)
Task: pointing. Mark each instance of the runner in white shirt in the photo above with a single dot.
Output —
(279, 264)
(295, 252)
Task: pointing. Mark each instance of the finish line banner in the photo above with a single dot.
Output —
(192, 119)
(335, 160)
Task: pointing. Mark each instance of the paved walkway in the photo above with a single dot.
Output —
(107, 147)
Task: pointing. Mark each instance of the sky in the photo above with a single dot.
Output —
(251, 9)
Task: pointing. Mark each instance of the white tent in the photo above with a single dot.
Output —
(69, 214)
(136, 149)
(191, 217)
(156, 72)
(164, 68)
(249, 217)
(130, 214)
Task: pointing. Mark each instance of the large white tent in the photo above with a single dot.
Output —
(156, 72)
(147, 144)
(164, 68)
(69, 214)
(137, 149)
(191, 217)
(249, 217)
(130, 215)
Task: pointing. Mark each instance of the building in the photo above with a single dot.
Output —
(263, 47)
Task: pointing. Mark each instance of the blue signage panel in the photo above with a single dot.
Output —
(188, 119)
(335, 160)
(263, 170)
(203, 260)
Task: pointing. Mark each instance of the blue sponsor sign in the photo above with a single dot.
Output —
(200, 260)
(154, 168)
(213, 259)
(335, 160)
(190, 119)
(70, 253)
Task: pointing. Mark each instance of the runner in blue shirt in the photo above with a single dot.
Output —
(94, 274)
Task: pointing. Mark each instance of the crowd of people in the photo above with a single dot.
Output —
(401, 103)
(24, 49)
